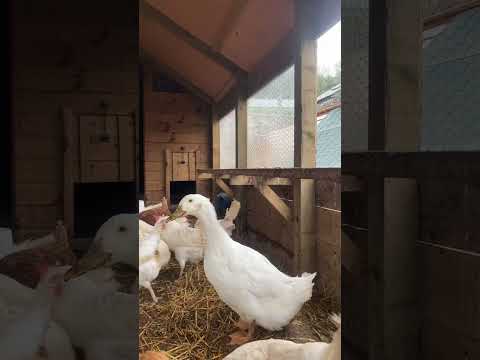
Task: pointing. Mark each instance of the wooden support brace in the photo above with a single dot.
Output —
(274, 200)
(222, 185)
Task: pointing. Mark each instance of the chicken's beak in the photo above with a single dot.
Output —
(177, 214)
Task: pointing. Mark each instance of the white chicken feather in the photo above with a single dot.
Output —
(154, 254)
(108, 314)
(26, 329)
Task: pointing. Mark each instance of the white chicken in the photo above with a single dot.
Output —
(144, 229)
(119, 236)
(154, 254)
(29, 332)
(275, 349)
(107, 314)
(189, 243)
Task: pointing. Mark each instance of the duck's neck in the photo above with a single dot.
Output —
(213, 231)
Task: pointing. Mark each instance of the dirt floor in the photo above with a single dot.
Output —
(190, 322)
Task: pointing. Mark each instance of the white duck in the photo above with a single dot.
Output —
(118, 236)
(276, 349)
(27, 329)
(243, 278)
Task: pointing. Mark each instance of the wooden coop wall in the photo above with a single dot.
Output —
(178, 122)
(74, 55)
(449, 280)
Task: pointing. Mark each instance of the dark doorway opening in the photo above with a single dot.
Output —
(178, 189)
(95, 203)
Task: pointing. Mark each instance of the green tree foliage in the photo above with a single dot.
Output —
(327, 79)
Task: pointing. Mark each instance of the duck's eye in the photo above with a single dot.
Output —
(122, 229)
(190, 200)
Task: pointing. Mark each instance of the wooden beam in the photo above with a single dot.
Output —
(456, 166)
(446, 15)
(241, 121)
(229, 23)
(222, 185)
(394, 125)
(215, 125)
(275, 201)
(206, 176)
(148, 9)
(68, 164)
(168, 173)
(241, 133)
(304, 226)
(175, 76)
(328, 174)
(251, 180)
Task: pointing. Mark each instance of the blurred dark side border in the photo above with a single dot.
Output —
(6, 128)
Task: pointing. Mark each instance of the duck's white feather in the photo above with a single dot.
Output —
(245, 279)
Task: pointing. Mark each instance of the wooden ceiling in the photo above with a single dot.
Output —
(212, 44)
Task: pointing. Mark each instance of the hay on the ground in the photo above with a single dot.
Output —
(190, 322)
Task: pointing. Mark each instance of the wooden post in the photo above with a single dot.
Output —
(304, 232)
(68, 163)
(241, 123)
(215, 139)
(242, 154)
(394, 125)
(215, 126)
(168, 173)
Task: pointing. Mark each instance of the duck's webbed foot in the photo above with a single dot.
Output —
(242, 336)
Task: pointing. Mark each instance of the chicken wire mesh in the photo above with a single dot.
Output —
(228, 141)
(270, 123)
(355, 28)
(451, 100)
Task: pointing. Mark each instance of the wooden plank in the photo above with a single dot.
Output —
(37, 194)
(328, 174)
(192, 166)
(222, 185)
(148, 9)
(458, 166)
(126, 148)
(101, 171)
(242, 130)
(215, 121)
(68, 173)
(168, 173)
(180, 170)
(275, 201)
(250, 180)
(446, 15)
(241, 120)
(394, 125)
(304, 229)
(229, 22)
(329, 254)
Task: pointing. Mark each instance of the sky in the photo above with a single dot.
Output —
(329, 48)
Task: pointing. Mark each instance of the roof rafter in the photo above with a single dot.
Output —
(149, 10)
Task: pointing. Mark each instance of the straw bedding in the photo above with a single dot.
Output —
(190, 322)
